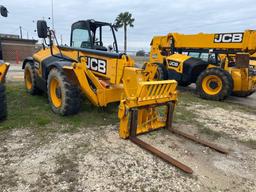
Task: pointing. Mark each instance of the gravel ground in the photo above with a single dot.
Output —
(237, 124)
(96, 159)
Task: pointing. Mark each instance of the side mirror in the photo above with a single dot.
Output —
(3, 11)
(42, 28)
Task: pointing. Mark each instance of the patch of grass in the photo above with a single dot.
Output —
(181, 113)
(26, 111)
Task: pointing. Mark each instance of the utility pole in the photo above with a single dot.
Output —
(27, 35)
(52, 17)
(20, 32)
(61, 41)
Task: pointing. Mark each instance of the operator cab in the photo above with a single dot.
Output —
(90, 34)
(210, 58)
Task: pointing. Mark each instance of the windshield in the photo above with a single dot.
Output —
(104, 39)
(81, 38)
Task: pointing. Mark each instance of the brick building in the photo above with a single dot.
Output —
(13, 49)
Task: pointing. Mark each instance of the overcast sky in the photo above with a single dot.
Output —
(152, 17)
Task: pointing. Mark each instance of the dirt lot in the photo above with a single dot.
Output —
(40, 151)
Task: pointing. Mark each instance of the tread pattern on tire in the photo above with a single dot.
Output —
(227, 84)
(35, 90)
(3, 104)
(71, 102)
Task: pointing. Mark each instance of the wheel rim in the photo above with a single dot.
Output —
(55, 92)
(28, 79)
(212, 85)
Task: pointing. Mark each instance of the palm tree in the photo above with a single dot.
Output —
(124, 20)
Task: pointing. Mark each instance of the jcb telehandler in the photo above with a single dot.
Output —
(104, 76)
(217, 63)
(3, 70)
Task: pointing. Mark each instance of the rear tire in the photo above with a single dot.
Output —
(214, 84)
(63, 96)
(30, 79)
(3, 104)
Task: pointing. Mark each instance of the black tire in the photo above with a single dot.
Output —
(224, 90)
(3, 103)
(161, 72)
(69, 94)
(31, 89)
(243, 94)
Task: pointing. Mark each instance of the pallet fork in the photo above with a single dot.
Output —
(137, 113)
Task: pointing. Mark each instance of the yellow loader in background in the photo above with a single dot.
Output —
(3, 70)
(90, 67)
(217, 63)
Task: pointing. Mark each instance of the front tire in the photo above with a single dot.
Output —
(214, 84)
(63, 96)
(3, 103)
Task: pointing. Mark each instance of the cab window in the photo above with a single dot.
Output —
(194, 54)
(81, 38)
(204, 56)
(104, 39)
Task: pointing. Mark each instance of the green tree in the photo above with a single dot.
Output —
(124, 20)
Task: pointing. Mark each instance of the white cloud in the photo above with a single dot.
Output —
(152, 17)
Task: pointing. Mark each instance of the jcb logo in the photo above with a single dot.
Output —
(173, 64)
(228, 38)
(97, 65)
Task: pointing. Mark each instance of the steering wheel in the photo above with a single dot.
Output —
(86, 44)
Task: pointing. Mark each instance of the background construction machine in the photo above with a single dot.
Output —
(217, 63)
(104, 76)
(3, 70)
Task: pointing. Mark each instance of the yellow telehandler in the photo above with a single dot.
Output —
(217, 63)
(103, 75)
(3, 70)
